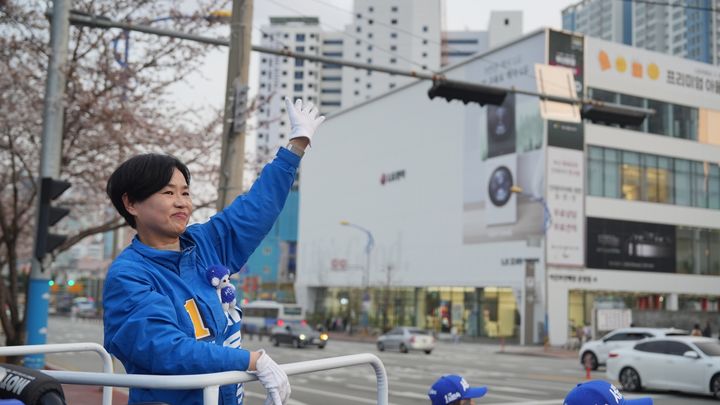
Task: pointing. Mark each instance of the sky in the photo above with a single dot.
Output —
(207, 88)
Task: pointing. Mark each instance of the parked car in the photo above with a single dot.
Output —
(406, 338)
(595, 352)
(678, 363)
(84, 307)
(298, 335)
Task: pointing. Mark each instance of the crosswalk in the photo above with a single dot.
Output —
(512, 380)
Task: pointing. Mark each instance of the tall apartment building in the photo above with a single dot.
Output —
(688, 29)
(281, 76)
(402, 34)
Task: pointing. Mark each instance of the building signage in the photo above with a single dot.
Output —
(625, 245)
(567, 50)
(392, 176)
(565, 203)
(623, 69)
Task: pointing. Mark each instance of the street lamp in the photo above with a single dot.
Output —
(366, 271)
(547, 220)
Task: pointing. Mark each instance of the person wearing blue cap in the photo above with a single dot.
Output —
(599, 392)
(454, 390)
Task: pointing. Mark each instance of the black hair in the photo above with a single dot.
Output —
(140, 177)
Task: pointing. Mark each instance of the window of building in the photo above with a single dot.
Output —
(425, 41)
(357, 93)
(369, 85)
(394, 21)
(425, 28)
(369, 47)
(646, 177)
(370, 21)
(299, 62)
(394, 9)
(393, 60)
(393, 47)
(371, 9)
(393, 35)
(611, 187)
(298, 87)
(299, 37)
(370, 35)
(631, 176)
(300, 49)
(424, 54)
(284, 85)
(358, 29)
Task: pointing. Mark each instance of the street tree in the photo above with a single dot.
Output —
(117, 102)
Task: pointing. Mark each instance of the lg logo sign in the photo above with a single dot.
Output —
(392, 176)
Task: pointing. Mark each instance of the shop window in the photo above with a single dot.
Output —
(595, 171)
(685, 122)
(658, 123)
(631, 176)
(700, 185)
(713, 185)
(683, 182)
(665, 180)
(611, 186)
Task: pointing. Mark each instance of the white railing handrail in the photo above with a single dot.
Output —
(211, 382)
(64, 348)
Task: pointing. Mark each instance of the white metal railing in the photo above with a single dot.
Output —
(209, 383)
(64, 348)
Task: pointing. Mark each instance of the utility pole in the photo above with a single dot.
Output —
(36, 307)
(233, 137)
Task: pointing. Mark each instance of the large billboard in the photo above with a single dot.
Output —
(623, 69)
(626, 245)
(503, 149)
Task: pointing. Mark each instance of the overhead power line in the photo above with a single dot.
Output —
(103, 22)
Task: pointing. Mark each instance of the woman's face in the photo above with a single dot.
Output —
(163, 217)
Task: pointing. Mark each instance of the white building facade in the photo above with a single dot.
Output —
(406, 213)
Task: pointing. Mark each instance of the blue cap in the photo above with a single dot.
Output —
(450, 388)
(600, 392)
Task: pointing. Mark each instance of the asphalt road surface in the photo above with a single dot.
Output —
(511, 378)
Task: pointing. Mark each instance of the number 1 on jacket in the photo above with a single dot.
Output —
(200, 330)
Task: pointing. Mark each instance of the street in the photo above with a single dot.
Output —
(510, 378)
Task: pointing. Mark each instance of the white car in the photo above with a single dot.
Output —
(595, 352)
(406, 338)
(677, 363)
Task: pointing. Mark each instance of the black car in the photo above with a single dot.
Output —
(298, 335)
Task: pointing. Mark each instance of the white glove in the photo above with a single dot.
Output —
(273, 378)
(303, 119)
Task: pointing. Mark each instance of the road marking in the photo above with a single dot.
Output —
(407, 394)
(262, 396)
(334, 394)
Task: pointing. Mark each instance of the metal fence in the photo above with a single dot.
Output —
(209, 383)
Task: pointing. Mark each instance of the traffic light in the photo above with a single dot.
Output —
(614, 114)
(467, 93)
(46, 242)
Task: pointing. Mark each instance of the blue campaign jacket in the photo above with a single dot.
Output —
(150, 295)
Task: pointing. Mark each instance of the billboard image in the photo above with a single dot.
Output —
(502, 150)
(626, 245)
